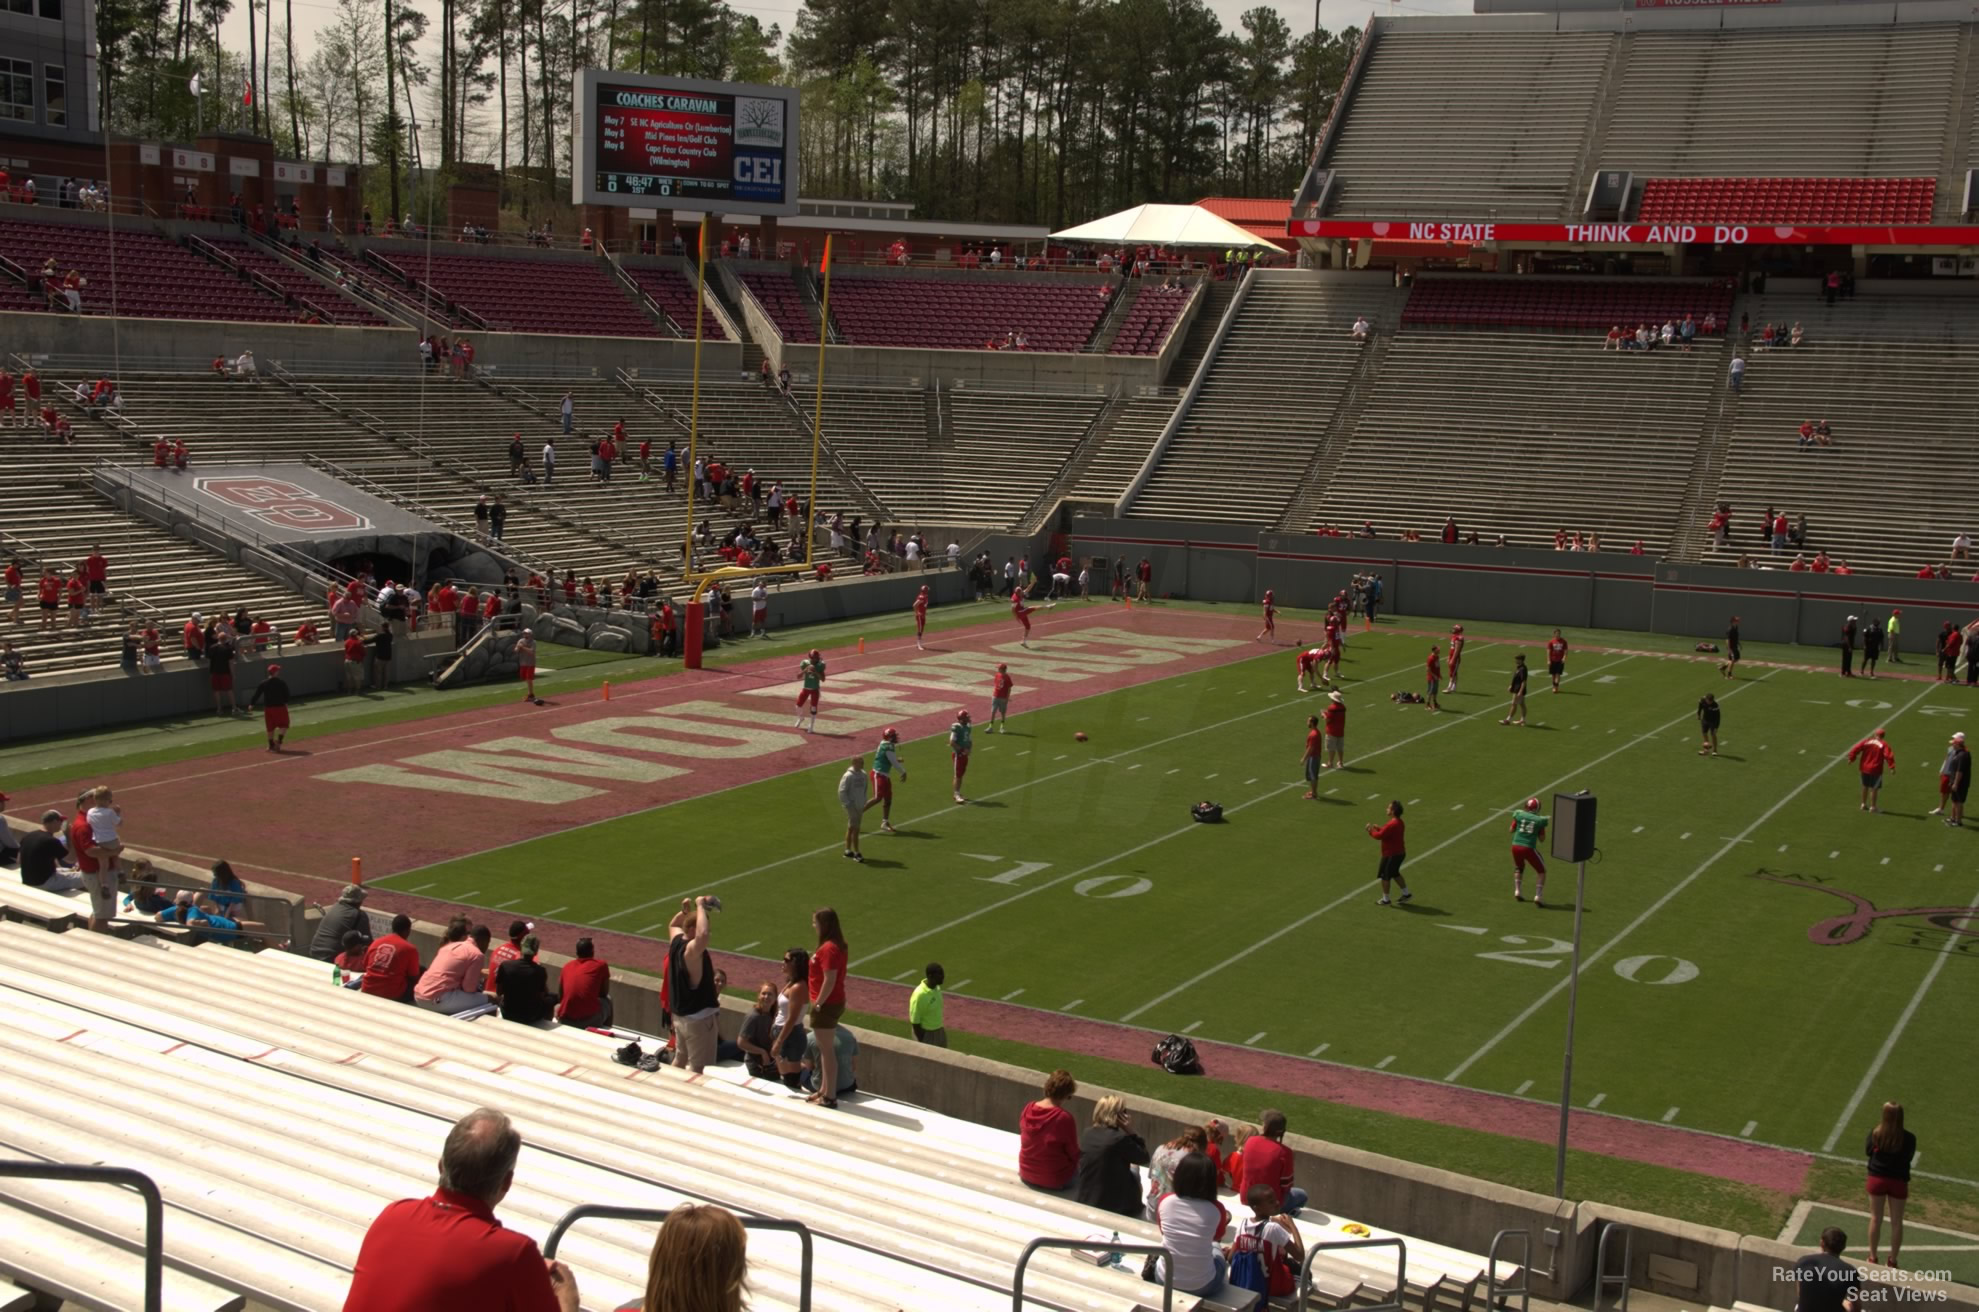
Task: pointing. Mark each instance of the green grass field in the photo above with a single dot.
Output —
(1078, 884)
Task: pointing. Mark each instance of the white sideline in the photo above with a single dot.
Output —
(1361, 890)
(1670, 894)
(1117, 757)
(1162, 838)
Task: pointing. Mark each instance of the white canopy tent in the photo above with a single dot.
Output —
(1165, 225)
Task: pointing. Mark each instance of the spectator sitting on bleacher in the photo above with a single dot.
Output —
(391, 964)
(700, 1262)
(344, 916)
(12, 666)
(1048, 1139)
(1163, 1160)
(453, 983)
(448, 1251)
(1769, 336)
(1109, 1151)
(522, 986)
(1799, 334)
(1668, 337)
(755, 1040)
(1687, 330)
(244, 365)
(1191, 1223)
(186, 911)
(1268, 1161)
(42, 856)
(1710, 323)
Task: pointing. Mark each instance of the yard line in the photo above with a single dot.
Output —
(1668, 896)
(1176, 770)
(462, 897)
(1025, 752)
(1886, 860)
(905, 973)
(1382, 1065)
(1686, 834)
(657, 924)
(1458, 807)
(1783, 847)
(957, 988)
(1211, 775)
(1890, 1041)
(1012, 994)
(1636, 830)
(1520, 1091)
(1596, 1101)
(1135, 766)
(1750, 1126)
(1415, 801)
(1249, 782)
(504, 906)
(1192, 1027)
(421, 889)
(1061, 756)
(1935, 869)
(1144, 717)
(1331, 791)
(1321, 1048)
(750, 944)
(1832, 855)
(548, 914)
(1670, 1115)
(1072, 1004)
(1252, 1041)
(1372, 796)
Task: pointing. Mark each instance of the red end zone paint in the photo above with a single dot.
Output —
(500, 775)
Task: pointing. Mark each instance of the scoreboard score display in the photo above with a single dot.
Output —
(680, 143)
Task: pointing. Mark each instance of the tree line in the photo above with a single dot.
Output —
(1020, 111)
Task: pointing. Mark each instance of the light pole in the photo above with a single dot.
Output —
(1573, 840)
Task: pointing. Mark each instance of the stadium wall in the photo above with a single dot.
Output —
(1235, 563)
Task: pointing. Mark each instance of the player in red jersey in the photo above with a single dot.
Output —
(1433, 672)
(1456, 655)
(1022, 614)
(920, 616)
(1311, 759)
(811, 671)
(1329, 669)
(1556, 658)
(1270, 629)
(1308, 663)
(1000, 699)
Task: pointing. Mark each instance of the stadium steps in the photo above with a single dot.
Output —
(1947, 318)
(1267, 398)
(342, 1058)
(1589, 162)
(1902, 439)
(1202, 331)
(1302, 514)
(1077, 462)
(1115, 318)
(1959, 134)
(1507, 432)
(1118, 450)
(1707, 469)
(326, 289)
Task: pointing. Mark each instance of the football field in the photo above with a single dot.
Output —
(1761, 959)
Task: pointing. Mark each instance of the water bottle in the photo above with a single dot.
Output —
(1113, 1257)
(337, 975)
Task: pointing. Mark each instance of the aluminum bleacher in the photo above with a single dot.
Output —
(1788, 200)
(925, 1211)
(1565, 304)
(1468, 122)
(153, 277)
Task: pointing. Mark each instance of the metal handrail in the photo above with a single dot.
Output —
(1299, 1299)
(1111, 1245)
(1492, 1290)
(598, 1211)
(1601, 1277)
(154, 1210)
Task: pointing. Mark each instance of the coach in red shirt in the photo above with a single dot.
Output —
(448, 1253)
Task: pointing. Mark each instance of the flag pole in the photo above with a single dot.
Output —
(818, 409)
(694, 405)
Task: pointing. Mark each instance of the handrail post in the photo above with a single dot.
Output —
(154, 1210)
(602, 1212)
(1401, 1270)
(1111, 1245)
(1601, 1277)
(1524, 1287)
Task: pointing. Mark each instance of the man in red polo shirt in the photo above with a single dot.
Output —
(354, 661)
(1875, 756)
(391, 964)
(447, 1252)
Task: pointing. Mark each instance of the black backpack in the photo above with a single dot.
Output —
(1176, 1055)
(1207, 813)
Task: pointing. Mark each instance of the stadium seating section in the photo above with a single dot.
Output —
(963, 314)
(673, 292)
(577, 297)
(789, 309)
(1875, 102)
(1788, 200)
(153, 276)
(1150, 318)
(326, 300)
(1568, 304)
(1469, 124)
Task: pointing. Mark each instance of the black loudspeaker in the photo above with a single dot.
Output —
(1573, 826)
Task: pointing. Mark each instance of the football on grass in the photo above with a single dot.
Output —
(1078, 737)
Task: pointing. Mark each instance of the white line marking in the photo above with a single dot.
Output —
(1382, 1065)
(657, 924)
(1572, 727)
(1636, 830)
(1192, 1027)
(1249, 782)
(1466, 929)
(1686, 834)
(1253, 1039)
(1321, 1048)
(957, 988)
(1025, 752)
(1520, 1091)
(1834, 854)
(1144, 717)
(1072, 1004)
(1012, 994)
(421, 889)
(1059, 757)
(548, 914)
(1936, 870)
(1668, 896)
(1596, 1101)
(1372, 796)
(1886, 861)
(1209, 776)
(981, 856)
(1458, 807)
(1415, 801)
(462, 897)
(905, 973)
(1331, 791)
(1670, 1115)
(746, 946)
(1750, 1126)
(1176, 770)
(1890, 1041)
(1783, 847)
(504, 906)
(1136, 765)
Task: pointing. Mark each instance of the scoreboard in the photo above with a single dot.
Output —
(681, 143)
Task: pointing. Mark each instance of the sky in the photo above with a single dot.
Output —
(311, 15)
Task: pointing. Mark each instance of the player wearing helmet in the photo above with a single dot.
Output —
(1528, 827)
(811, 672)
(960, 738)
(1000, 699)
(886, 759)
(1456, 655)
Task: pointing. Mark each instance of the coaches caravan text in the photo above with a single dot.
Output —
(643, 100)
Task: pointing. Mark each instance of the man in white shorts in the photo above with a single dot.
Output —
(759, 611)
(852, 790)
